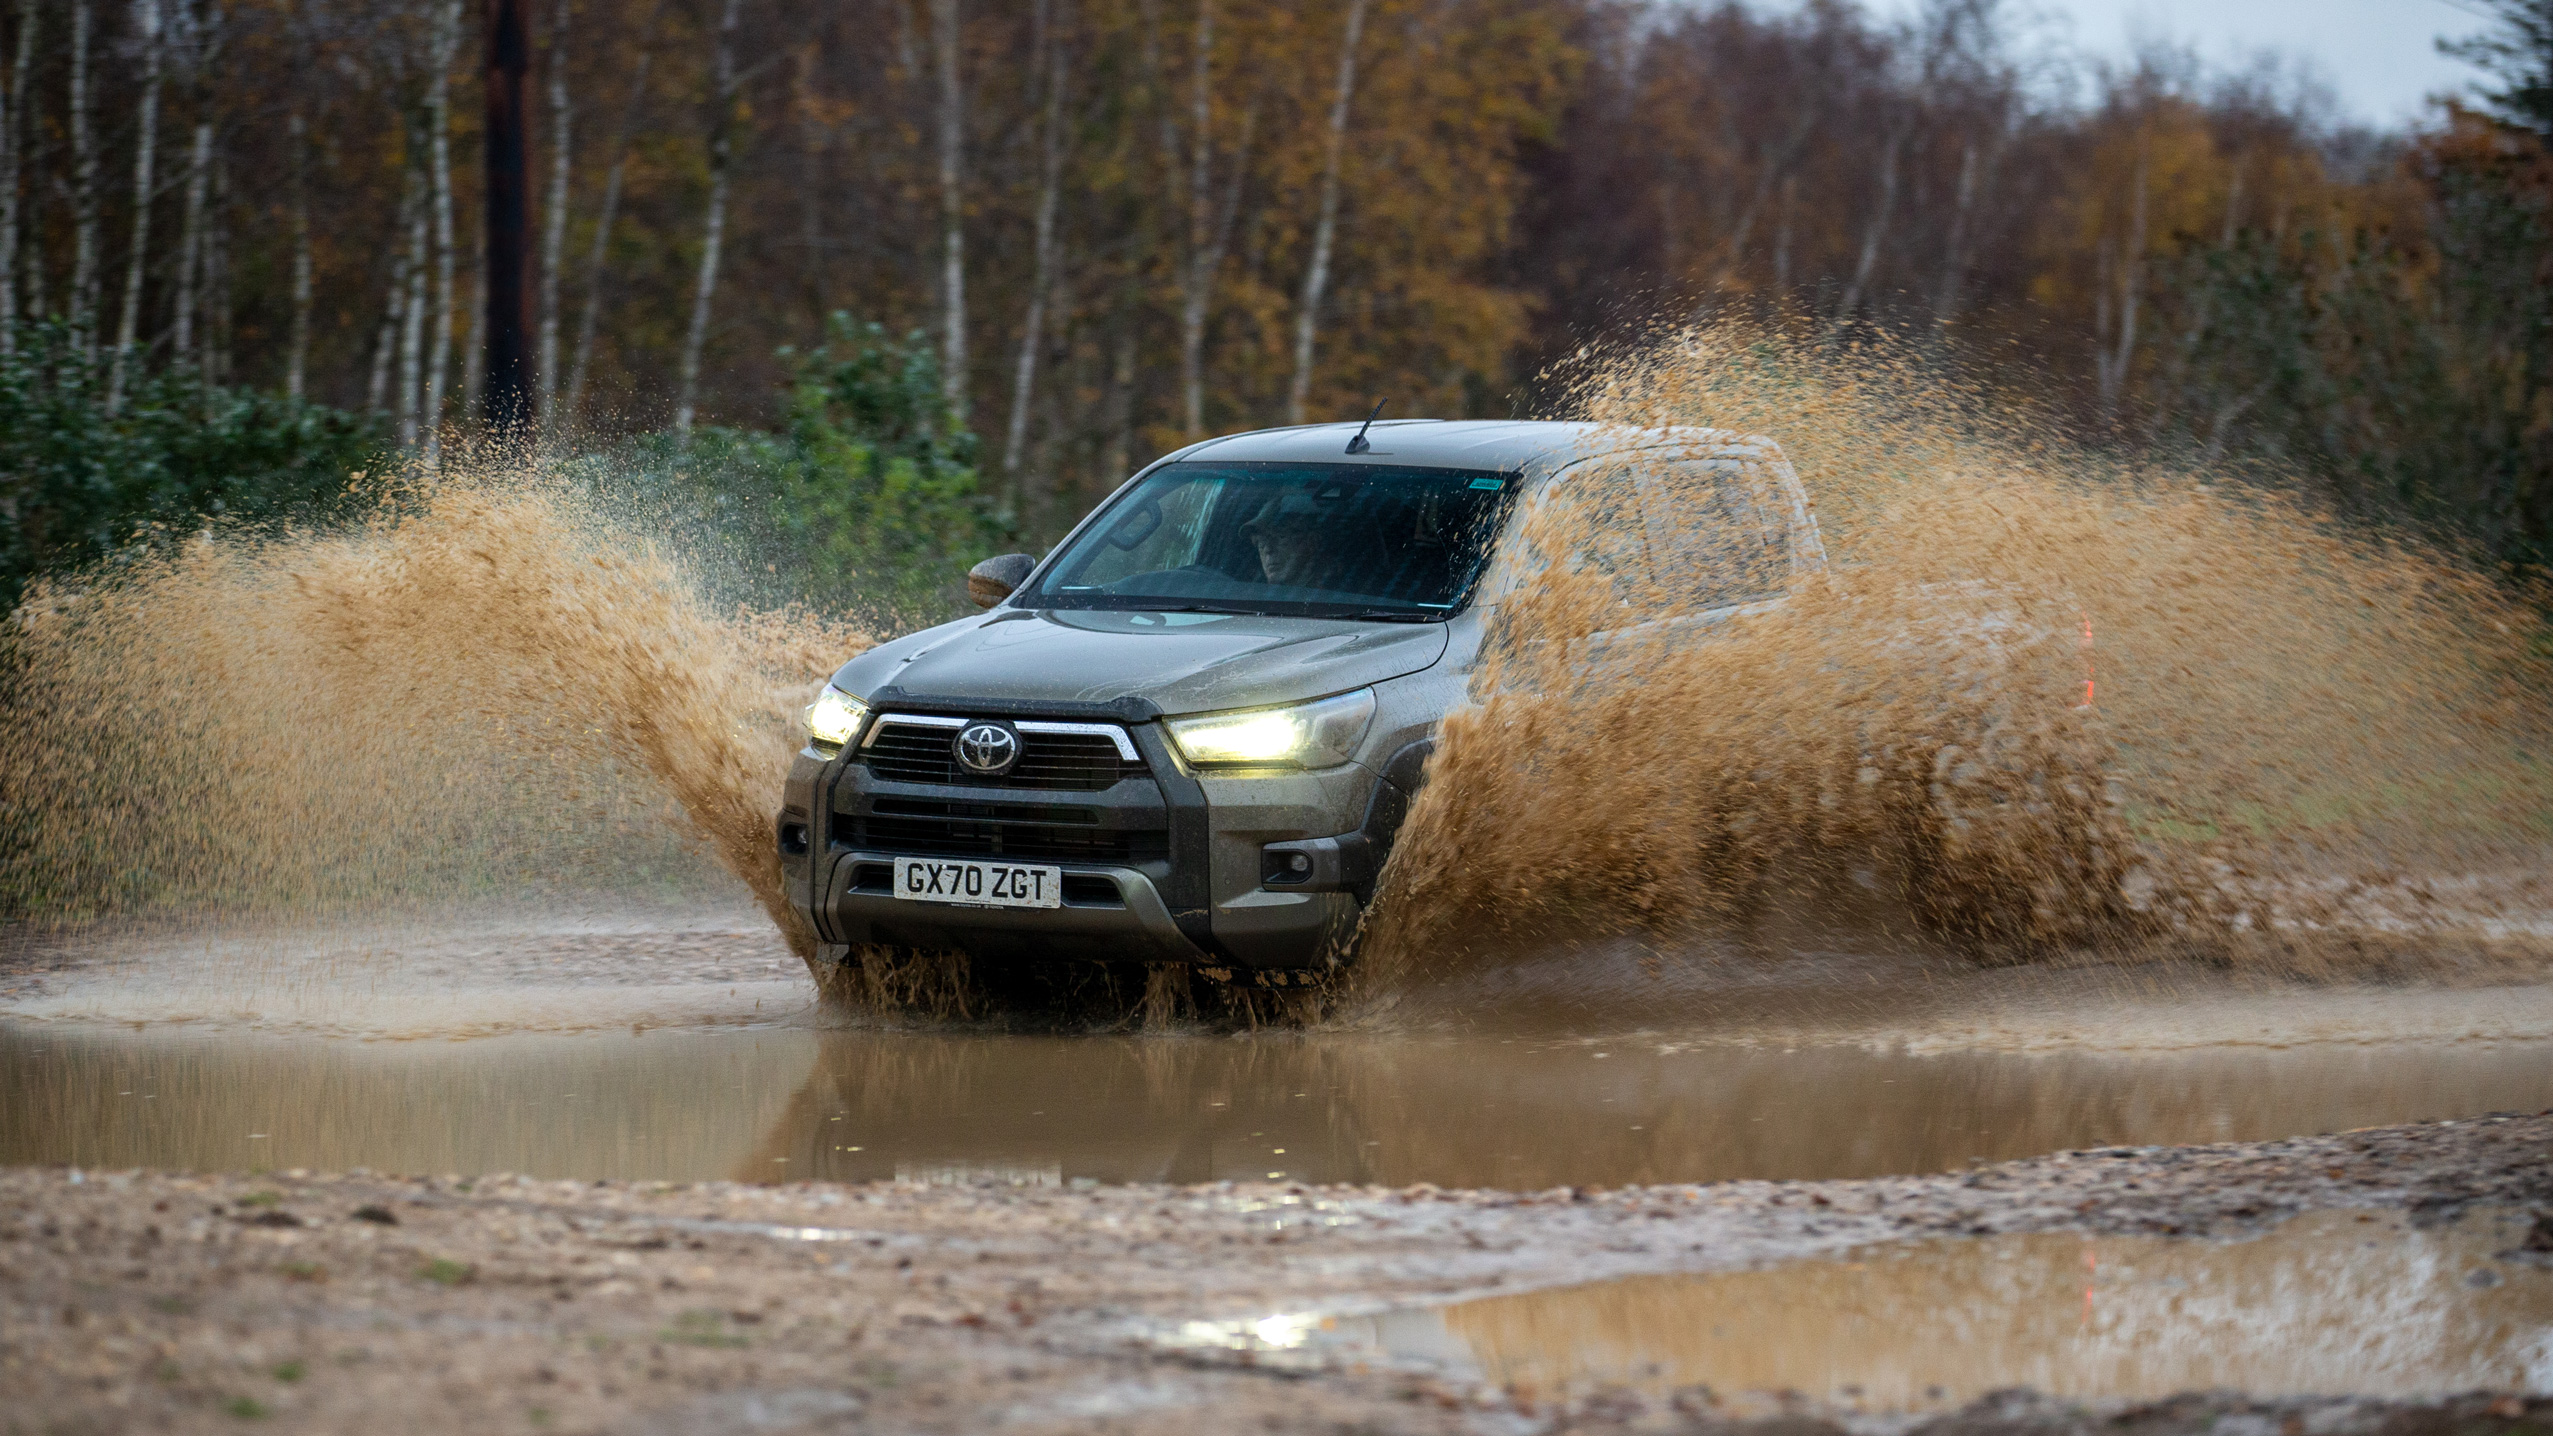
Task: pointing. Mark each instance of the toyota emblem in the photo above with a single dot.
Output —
(987, 749)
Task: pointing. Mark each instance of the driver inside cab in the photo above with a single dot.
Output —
(1303, 550)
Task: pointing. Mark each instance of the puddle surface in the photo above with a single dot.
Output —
(2329, 1303)
(777, 1103)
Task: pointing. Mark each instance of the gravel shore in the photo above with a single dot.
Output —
(163, 1301)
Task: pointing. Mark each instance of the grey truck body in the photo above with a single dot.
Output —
(1254, 872)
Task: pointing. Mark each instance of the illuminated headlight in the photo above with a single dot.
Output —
(834, 719)
(1309, 735)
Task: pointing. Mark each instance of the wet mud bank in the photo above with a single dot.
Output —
(147, 1300)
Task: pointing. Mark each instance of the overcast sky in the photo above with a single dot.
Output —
(2379, 57)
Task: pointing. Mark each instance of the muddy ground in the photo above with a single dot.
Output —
(160, 1301)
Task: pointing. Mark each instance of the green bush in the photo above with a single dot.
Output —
(79, 482)
(2412, 371)
(867, 501)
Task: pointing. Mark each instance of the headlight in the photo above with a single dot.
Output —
(1309, 735)
(834, 719)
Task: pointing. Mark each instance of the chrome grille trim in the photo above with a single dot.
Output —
(878, 724)
(1058, 756)
(1109, 731)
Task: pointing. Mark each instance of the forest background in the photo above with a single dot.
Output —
(897, 283)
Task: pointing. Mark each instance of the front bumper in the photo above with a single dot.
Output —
(1159, 867)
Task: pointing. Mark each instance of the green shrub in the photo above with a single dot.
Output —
(867, 501)
(78, 481)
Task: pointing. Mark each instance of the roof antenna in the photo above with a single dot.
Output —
(1358, 445)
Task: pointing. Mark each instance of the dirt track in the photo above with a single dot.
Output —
(150, 1301)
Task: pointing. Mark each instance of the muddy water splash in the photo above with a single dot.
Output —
(2046, 699)
(491, 686)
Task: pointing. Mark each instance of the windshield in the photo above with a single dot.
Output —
(1315, 540)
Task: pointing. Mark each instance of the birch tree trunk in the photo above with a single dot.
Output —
(1875, 234)
(813, 143)
(13, 123)
(194, 246)
(554, 221)
(1205, 269)
(447, 45)
(721, 146)
(386, 343)
(2110, 368)
(84, 184)
(1118, 408)
(1316, 276)
(947, 33)
(1773, 167)
(2172, 389)
(297, 356)
(145, 149)
(1954, 262)
(1032, 330)
(412, 310)
(1197, 276)
(31, 152)
(216, 344)
(474, 350)
(1782, 237)
(190, 244)
(563, 419)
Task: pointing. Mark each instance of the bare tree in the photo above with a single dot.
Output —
(413, 308)
(394, 312)
(217, 307)
(1316, 275)
(1032, 329)
(722, 141)
(28, 158)
(1875, 233)
(813, 142)
(1209, 222)
(1195, 277)
(1782, 230)
(84, 183)
(190, 242)
(145, 146)
(554, 219)
(474, 350)
(947, 33)
(1954, 258)
(563, 418)
(13, 143)
(2110, 365)
(202, 45)
(446, 47)
(1117, 411)
(1773, 166)
(297, 356)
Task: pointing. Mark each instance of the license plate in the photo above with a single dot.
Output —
(974, 884)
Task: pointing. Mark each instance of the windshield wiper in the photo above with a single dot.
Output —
(1394, 615)
(1196, 608)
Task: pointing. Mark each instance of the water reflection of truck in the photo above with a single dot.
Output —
(1190, 733)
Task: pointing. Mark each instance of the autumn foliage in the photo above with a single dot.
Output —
(1127, 223)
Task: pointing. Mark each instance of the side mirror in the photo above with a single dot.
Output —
(991, 581)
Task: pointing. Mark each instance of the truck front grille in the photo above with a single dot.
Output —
(1066, 762)
(974, 838)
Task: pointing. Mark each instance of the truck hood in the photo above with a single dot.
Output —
(1179, 662)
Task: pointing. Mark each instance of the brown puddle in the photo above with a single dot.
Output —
(2328, 1303)
(781, 1102)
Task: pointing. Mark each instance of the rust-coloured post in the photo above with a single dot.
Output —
(508, 393)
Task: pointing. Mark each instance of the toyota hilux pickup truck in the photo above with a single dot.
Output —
(1191, 731)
